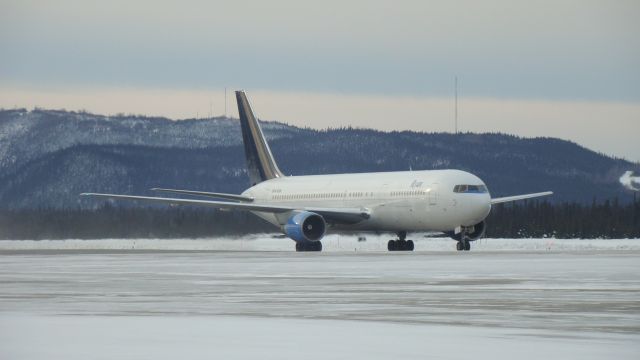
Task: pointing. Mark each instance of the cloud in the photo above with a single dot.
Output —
(499, 48)
(629, 181)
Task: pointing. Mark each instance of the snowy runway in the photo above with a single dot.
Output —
(518, 299)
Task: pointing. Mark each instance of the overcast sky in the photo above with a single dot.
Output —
(569, 69)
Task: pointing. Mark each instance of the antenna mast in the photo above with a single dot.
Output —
(456, 104)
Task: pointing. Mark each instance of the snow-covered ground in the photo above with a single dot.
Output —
(202, 337)
(164, 299)
(331, 243)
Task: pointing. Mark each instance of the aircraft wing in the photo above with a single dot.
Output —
(519, 197)
(340, 215)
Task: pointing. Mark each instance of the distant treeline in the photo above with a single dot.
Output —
(127, 222)
(606, 220)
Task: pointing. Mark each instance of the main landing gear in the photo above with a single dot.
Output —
(401, 244)
(463, 244)
(309, 246)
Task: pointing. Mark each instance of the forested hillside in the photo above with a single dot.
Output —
(48, 157)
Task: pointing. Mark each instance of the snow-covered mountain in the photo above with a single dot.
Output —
(28, 135)
(48, 157)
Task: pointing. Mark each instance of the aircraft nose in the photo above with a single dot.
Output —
(481, 206)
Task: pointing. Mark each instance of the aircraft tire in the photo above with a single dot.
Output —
(391, 245)
(400, 245)
(410, 245)
(309, 246)
(459, 246)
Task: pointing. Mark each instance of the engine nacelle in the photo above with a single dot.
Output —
(305, 226)
(476, 233)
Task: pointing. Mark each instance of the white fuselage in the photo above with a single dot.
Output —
(396, 201)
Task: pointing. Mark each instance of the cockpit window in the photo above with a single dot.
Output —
(470, 189)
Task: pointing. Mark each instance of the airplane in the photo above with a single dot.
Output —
(304, 208)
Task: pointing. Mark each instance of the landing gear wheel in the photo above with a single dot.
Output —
(463, 244)
(317, 246)
(400, 245)
(309, 246)
(410, 245)
(391, 245)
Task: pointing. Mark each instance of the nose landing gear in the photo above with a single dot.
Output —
(468, 234)
(463, 244)
(401, 244)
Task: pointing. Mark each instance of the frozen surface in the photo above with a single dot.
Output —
(331, 243)
(161, 299)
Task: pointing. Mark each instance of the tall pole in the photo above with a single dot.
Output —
(225, 102)
(456, 103)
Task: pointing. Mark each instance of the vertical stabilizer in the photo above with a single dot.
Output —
(260, 162)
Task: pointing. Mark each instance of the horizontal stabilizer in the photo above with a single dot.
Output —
(338, 215)
(520, 197)
(208, 194)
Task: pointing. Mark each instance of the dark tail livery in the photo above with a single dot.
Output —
(260, 162)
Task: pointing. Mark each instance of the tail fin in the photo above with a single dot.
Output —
(260, 161)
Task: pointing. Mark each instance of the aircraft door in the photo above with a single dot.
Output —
(433, 195)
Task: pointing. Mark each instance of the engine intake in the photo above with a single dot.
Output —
(305, 226)
(474, 234)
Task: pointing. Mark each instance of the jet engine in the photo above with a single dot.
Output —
(474, 232)
(305, 226)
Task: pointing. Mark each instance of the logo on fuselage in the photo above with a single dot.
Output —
(416, 184)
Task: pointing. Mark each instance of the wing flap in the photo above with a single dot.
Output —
(208, 194)
(520, 197)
